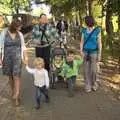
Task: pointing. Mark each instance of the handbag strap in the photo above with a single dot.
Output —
(43, 34)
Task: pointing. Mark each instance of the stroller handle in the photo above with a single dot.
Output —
(46, 45)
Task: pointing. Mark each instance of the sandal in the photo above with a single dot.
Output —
(17, 102)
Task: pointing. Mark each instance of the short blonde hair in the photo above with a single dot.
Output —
(39, 61)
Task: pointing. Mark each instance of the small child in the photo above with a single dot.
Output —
(70, 71)
(41, 80)
(57, 64)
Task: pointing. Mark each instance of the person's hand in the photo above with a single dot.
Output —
(0, 62)
(26, 61)
(99, 58)
(81, 53)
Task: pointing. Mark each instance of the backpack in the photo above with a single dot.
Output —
(43, 35)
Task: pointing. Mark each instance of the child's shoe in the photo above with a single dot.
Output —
(88, 90)
(95, 86)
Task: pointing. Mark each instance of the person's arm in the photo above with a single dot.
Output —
(79, 60)
(2, 37)
(66, 26)
(81, 46)
(35, 31)
(24, 49)
(25, 54)
(0, 48)
(0, 61)
(54, 35)
(46, 79)
(58, 26)
(99, 47)
(30, 70)
(54, 32)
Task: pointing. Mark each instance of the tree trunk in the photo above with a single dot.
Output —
(109, 26)
(90, 7)
(119, 22)
(108, 22)
(17, 11)
(81, 21)
(17, 6)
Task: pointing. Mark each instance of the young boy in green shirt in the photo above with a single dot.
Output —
(70, 70)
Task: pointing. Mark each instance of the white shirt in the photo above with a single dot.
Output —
(40, 76)
(62, 25)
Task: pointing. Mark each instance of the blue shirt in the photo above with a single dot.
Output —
(92, 42)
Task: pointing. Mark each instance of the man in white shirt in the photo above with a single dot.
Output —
(62, 27)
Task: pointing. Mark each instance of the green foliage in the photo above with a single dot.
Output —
(67, 7)
(98, 10)
(112, 5)
(13, 6)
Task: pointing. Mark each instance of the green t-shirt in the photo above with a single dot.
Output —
(68, 71)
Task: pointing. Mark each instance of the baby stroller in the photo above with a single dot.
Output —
(58, 56)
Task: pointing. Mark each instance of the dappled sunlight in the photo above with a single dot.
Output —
(110, 75)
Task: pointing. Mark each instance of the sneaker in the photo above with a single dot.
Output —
(95, 86)
(88, 90)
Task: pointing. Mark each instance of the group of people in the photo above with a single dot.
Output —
(13, 52)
